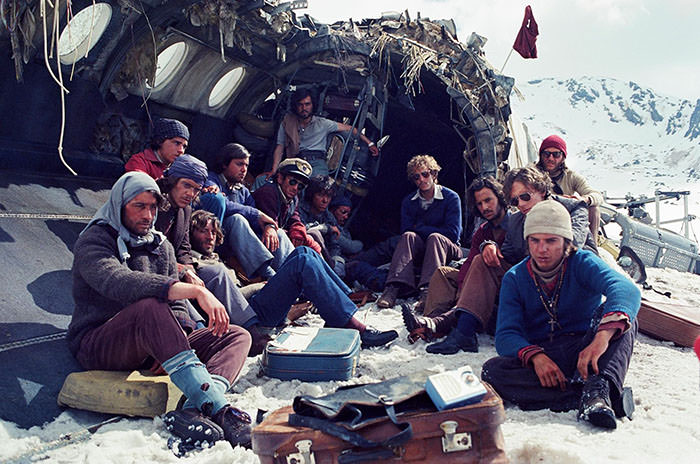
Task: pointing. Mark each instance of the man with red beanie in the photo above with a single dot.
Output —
(565, 181)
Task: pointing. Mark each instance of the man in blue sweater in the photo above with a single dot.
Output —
(431, 223)
(559, 347)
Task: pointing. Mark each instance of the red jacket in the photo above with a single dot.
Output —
(146, 161)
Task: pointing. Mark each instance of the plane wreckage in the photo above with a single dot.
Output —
(83, 81)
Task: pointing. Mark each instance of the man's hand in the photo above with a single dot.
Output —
(373, 150)
(548, 372)
(590, 354)
(335, 231)
(191, 277)
(269, 238)
(491, 255)
(213, 188)
(218, 317)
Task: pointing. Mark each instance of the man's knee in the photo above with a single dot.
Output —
(409, 236)
(435, 239)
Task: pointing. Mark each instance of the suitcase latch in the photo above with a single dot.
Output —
(452, 441)
(304, 454)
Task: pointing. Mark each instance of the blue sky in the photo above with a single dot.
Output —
(654, 43)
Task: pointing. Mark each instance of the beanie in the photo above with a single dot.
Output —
(188, 167)
(553, 141)
(340, 200)
(548, 217)
(169, 128)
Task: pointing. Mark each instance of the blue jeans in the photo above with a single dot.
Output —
(218, 281)
(243, 243)
(305, 272)
(215, 203)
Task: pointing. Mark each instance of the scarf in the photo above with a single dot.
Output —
(124, 190)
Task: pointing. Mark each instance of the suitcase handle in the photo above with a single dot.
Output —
(331, 428)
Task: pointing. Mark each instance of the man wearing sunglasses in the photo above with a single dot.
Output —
(431, 223)
(473, 312)
(565, 181)
(279, 199)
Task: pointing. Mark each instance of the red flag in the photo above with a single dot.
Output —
(527, 36)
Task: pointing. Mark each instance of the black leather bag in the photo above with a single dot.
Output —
(346, 411)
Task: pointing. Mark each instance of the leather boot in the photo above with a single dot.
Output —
(235, 424)
(595, 403)
(454, 343)
(427, 328)
(388, 298)
(259, 340)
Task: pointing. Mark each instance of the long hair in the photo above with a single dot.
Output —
(320, 184)
(227, 153)
(481, 183)
(201, 219)
(529, 176)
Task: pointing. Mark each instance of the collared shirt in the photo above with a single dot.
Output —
(312, 137)
(425, 204)
(231, 185)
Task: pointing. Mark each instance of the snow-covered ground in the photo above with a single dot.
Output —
(665, 427)
(625, 140)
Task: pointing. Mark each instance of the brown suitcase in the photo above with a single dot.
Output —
(477, 437)
(670, 321)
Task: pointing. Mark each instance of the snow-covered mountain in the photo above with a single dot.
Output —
(625, 138)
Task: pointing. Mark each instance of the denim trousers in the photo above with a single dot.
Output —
(304, 271)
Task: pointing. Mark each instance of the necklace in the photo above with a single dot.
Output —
(551, 304)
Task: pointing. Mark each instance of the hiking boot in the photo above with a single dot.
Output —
(419, 308)
(454, 343)
(595, 403)
(193, 427)
(372, 337)
(427, 328)
(388, 298)
(235, 424)
(260, 337)
(623, 405)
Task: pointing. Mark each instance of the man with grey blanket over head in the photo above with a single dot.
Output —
(129, 314)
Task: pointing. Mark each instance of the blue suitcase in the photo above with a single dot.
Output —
(312, 354)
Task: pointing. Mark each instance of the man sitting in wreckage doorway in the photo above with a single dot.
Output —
(302, 134)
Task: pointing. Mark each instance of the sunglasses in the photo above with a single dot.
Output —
(552, 154)
(527, 196)
(300, 185)
(417, 176)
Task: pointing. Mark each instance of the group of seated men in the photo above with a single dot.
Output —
(152, 292)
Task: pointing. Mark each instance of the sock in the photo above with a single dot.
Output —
(467, 323)
(353, 323)
(220, 383)
(191, 376)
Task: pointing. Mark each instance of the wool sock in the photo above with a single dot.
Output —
(202, 390)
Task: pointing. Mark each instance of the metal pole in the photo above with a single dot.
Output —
(686, 224)
(658, 208)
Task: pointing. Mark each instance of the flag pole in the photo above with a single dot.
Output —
(506, 62)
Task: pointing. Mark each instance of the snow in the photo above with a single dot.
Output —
(665, 427)
(625, 139)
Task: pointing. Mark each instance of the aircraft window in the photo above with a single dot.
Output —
(83, 32)
(225, 86)
(168, 63)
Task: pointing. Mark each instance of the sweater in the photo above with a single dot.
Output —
(523, 321)
(175, 225)
(486, 232)
(514, 247)
(238, 199)
(573, 184)
(442, 216)
(103, 286)
(146, 161)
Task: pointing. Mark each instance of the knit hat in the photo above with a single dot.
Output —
(553, 141)
(548, 217)
(340, 200)
(187, 167)
(169, 128)
(296, 166)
